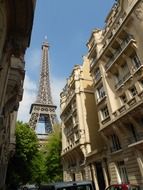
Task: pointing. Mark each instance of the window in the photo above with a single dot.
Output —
(100, 93)
(77, 136)
(123, 172)
(110, 35)
(71, 140)
(125, 68)
(133, 91)
(117, 79)
(135, 61)
(125, 71)
(116, 76)
(104, 113)
(92, 44)
(75, 119)
(97, 74)
(133, 132)
(74, 104)
(123, 99)
(141, 122)
(115, 143)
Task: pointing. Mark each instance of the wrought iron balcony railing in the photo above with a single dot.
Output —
(123, 45)
(122, 80)
(114, 149)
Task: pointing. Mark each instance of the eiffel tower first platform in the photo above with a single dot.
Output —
(43, 115)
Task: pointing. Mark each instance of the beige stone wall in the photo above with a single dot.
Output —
(122, 123)
(86, 122)
(112, 140)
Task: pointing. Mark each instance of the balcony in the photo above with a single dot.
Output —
(67, 117)
(74, 107)
(97, 77)
(115, 149)
(70, 96)
(72, 146)
(105, 120)
(119, 84)
(132, 101)
(69, 132)
(93, 62)
(130, 105)
(137, 69)
(122, 109)
(101, 97)
(92, 50)
(67, 100)
(122, 80)
(75, 124)
(119, 51)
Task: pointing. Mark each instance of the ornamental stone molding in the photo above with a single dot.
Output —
(139, 11)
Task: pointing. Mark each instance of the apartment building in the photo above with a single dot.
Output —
(116, 65)
(16, 21)
(79, 124)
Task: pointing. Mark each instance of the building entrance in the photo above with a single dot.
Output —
(100, 175)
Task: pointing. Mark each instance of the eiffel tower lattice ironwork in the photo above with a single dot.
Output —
(43, 115)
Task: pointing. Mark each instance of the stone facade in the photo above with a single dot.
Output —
(16, 20)
(116, 65)
(109, 149)
(79, 125)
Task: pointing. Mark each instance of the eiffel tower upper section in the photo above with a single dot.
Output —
(43, 110)
(44, 93)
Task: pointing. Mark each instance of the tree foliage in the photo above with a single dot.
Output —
(38, 168)
(53, 156)
(30, 164)
(19, 168)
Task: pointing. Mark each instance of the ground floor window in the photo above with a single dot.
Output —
(123, 172)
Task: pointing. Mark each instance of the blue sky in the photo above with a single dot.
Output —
(68, 25)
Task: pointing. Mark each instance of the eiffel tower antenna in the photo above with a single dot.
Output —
(43, 115)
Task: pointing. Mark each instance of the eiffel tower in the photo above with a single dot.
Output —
(42, 111)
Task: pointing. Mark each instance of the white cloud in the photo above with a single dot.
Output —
(33, 58)
(28, 98)
(30, 93)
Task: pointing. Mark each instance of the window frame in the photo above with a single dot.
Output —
(103, 112)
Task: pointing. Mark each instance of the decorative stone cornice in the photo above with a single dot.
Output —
(139, 11)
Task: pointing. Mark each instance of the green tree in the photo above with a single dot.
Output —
(53, 156)
(30, 164)
(19, 168)
(38, 168)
